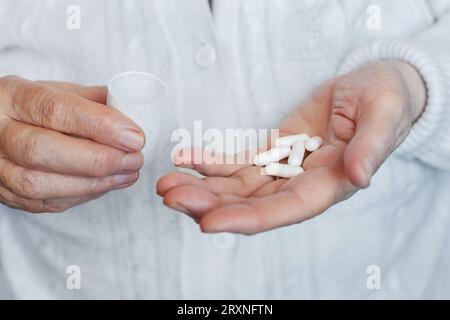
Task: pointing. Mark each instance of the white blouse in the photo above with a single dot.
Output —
(246, 66)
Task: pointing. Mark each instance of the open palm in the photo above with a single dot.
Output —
(362, 117)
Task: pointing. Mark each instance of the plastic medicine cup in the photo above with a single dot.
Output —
(138, 95)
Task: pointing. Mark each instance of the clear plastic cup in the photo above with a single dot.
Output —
(139, 96)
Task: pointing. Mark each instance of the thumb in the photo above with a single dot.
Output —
(374, 140)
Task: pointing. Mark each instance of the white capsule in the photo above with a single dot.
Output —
(314, 143)
(297, 154)
(289, 141)
(283, 170)
(273, 155)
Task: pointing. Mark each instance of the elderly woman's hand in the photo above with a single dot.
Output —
(61, 146)
(363, 116)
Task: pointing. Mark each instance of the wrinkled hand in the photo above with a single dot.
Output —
(61, 146)
(363, 116)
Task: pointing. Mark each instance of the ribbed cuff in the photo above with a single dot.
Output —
(433, 120)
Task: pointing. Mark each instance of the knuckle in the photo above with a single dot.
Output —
(37, 103)
(8, 201)
(4, 178)
(23, 94)
(93, 186)
(7, 82)
(55, 206)
(99, 164)
(49, 106)
(345, 97)
(28, 185)
(100, 124)
(33, 209)
(38, 208)
(9, 90)
(14, 201)
(31, 147)
(7, 135)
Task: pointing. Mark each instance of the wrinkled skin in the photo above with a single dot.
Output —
(61, 146)
(363, 117)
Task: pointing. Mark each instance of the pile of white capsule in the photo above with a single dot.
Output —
(291, 147)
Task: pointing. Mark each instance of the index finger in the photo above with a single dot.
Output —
(57, 109)
(93, 93)
(211, 163)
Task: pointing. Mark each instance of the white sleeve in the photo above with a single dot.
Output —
(429, 52)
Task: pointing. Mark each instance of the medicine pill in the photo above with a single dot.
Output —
(289, 141)
(297, 154)
(273, 155)
(283, 170)
(314, 143)
(299, 143)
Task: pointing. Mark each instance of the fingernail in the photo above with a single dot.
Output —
(132, 161)
(369, 170)
(177, 206)
(132, 140)
(121, 179)
(369, 166)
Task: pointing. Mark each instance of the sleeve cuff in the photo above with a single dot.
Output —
(433, 121)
